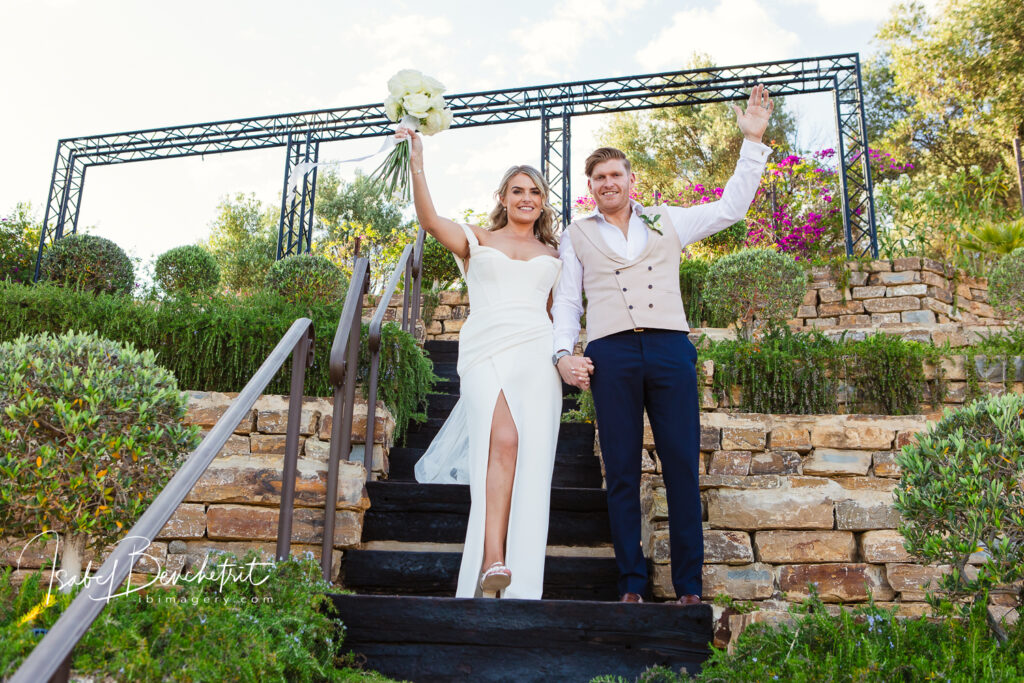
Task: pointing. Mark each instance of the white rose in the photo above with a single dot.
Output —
(446, 119)
(417, 105)
(437, 102)
(432, 85)
(405, 82)
(393, 108)
(433, 123)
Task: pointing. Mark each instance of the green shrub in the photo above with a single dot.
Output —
(218, 344)
(188, 270)
(961, 492)
(306, 279)
(584, 411)
(90, 431)
(275, 626)
(1006, 285)
(19, 240)
(868, 644)
(806, 372)
(755, 283)
(90, 263)
(438, 266)
(693, 274)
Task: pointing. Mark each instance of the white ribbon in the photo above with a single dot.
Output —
(299, 171)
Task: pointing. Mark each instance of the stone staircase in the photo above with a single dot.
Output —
(402, 617)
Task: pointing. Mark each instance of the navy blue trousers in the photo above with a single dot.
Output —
(656, 370)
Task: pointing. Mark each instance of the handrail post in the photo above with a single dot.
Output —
(343, 371)
(302, 358)
(417, 279)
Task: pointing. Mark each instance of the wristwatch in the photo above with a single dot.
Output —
(559, 355)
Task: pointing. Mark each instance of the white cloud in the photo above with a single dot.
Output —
(552, 46)
(874, 11)
(733, 32)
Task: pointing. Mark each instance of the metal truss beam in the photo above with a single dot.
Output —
(553, 105)
(298, 204)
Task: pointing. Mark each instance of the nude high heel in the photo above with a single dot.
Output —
(495, 579)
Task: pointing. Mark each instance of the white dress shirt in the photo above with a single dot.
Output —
(692, 224)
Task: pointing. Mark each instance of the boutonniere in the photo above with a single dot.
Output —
(652, 222)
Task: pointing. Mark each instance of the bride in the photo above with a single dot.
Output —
(501, 435)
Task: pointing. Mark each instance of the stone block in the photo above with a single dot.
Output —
(654, 503)
(914, 578)
(451, 298)
(829, 295)
(934, 266)
(837, 309)
(770, 509)
(453, 326)
(205, 408)
(775, 462)
(869, 510)
(794, 547)
(245, 522)
(271, 444)
(735, 463)
(188, 521)
(956, 392)
(858, 279)
(935, 279)
(906, 290)
(918, 317)
(810, 298)
(257, 480)
(29, 553)
(272, 415)
(884, 464)
(853, 320)
(830, 461)
(754, 581)
(807, 312)
(910, 263)
(850, 433)
(884, 318)
(894, 304)
(383, 424)
(908, 277)
(819, 323)
(710, 438)
(880, 266)
(727, 547)
(743, 439)
(883, 546)
(838, 582)
(982, 310)
(435, 328)
(790, 438)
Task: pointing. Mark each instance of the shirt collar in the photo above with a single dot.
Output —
(638, 210)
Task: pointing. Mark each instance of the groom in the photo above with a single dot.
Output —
(626, 258)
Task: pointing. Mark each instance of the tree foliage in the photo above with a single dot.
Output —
(243, 240)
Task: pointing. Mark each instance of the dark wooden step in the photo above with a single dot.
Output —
(440, 405)
(386, 572)
(438, 513)
(441, 345)
(439, 639)
(573, 437)
(571, 470)
(446, 370)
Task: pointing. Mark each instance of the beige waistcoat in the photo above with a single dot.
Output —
(622, 294)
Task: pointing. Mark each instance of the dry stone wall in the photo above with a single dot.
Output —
(235, 504)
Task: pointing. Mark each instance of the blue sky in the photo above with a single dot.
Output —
(72, 67)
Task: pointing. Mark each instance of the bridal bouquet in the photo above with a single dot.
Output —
(414, 102)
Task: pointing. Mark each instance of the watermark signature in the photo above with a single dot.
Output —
(223, 573)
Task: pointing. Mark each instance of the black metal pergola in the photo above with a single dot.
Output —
(553, 105)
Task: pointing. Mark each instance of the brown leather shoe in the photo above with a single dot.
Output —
(689, 600)
(631, 597)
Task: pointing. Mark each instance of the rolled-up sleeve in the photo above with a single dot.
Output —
(567, 305)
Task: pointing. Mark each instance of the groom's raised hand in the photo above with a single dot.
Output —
(754, 121)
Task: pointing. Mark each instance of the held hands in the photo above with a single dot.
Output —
(576, 371)
(754, 120)
(415, 146)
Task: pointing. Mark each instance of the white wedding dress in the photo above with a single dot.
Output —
(504, 346)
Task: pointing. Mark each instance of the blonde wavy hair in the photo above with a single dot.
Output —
(544, 226)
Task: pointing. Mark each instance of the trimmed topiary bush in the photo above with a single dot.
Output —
(188, 270)
(962, 491)
(90, 432)
(307, 279)
(761, 283)
(1006, 284)
(88, 262)
(438, 265)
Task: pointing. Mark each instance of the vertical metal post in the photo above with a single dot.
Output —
(284, 199)
(44, 233)
(842, 169)
(1020, 170)
(868, 187)
(76, 196)
(566, 171)
(302, 357)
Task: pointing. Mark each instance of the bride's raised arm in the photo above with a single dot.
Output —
(445, 231)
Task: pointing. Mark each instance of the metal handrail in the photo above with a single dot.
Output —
(410, 263)
(343, 367)
(51, 658)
